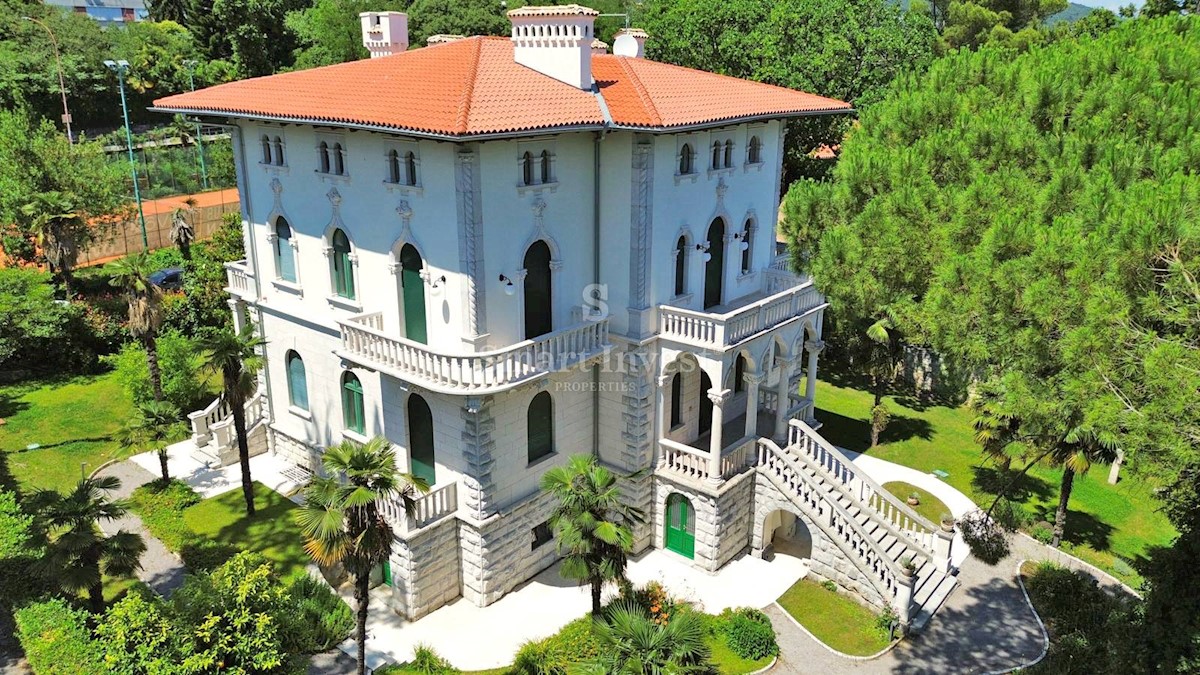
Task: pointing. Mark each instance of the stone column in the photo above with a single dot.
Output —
(943, 540)
(783, 390)
(718, 398)
(752, 381)
(904, 594)
(814, 348)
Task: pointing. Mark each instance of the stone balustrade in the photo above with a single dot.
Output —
(365, 341)
(428, 508)
(707, 331)
(240, 279)
(683, 460)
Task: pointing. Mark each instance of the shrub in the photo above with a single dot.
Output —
(205, 555)
(829, 585)
(536, 657)
(321, 620)
(180, 364)
(36, 331)
(1042, 533)
(56, 640)
(749, 638)
(139, 635)
(426, 660)
(576, 643)
(886, 619)
(161, 509)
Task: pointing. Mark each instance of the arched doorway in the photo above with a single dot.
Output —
(538, 294)
(680, 535)
(706, 405)
(413, 294)
(420, 439)
(785, 533)
(714, 269)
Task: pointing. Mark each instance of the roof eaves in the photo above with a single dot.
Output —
(725, 121)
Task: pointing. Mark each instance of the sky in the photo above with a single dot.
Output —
(1114, 5)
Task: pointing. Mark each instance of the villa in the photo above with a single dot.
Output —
(499, 252)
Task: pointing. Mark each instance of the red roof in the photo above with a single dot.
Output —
(474, 87)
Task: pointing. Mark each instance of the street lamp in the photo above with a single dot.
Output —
(191, 66)
(120, 68)
(66, 117)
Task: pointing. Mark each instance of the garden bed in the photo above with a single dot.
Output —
(835, 619)
(930, 507)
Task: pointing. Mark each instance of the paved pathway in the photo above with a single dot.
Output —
(162, 570)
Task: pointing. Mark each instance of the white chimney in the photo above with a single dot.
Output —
(555, 41)
(442, 38)
(630, 42)
(384, 33)
(599, 46)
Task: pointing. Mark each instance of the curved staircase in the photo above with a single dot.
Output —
(875, 531)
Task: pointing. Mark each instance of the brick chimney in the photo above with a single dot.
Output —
(384, 33)
(555, 41)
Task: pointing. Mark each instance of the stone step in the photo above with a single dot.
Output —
(933, 601)
(926, 583)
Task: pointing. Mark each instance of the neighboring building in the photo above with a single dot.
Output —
(106, 11)
(499, 252)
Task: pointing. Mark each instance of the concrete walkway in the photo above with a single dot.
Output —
(211, 481)
(161, 570)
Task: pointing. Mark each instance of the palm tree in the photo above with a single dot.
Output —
(155, 424)
(235, 356)
(77, 553)
(56, 220)
(632, 643)
(995, 427)
(592, 524)
(132, 273)
(183, 233)
(1075, 453)
(341, 522)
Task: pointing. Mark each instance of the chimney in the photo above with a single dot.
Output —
(630, 42)
(555, 41)
(442, 38)
(599, 46)
(384, 33)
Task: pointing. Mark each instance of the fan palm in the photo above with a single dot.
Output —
(153, 426)
(995, 427)
(592, 524)
(235, 357)
(1076, 453)
(341, 522)
(56, 223)
(633, 644)
(77, 553)
(132, 273)
(183, 233)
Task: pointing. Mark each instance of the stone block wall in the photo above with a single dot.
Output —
(734, 516)
(425, 570)
(498, 554)
(295, 451)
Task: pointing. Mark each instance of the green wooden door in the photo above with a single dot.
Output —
(714, 269)
(681, 526)
(414, 294)
(420, 439)
(387, 573)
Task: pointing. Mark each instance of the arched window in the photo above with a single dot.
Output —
(266, 149)
(420, 440)
(297, 382)
(538, 295)
(755, 153)
(680, 265)
(527, 169)
(343, 271)
(747, 245)
(339, 166)
(278, 151)
(353, 410)
(540, 427)
(323, 157)
(686, 159)
(676, 400)
(393, 160)
(728, 154)
(414, 294)
(546, 178)
(739, 374)
(410, 163)
(716, 155)
(285, 257)
(714, 269)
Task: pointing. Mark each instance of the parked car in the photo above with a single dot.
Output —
(169, 279)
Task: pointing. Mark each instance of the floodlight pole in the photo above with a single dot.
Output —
(62, 87)
(120, 68)
(191, 66)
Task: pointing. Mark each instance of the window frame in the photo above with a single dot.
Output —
(278, 249)
(342, 280)
(353, 401)
(549, 449)
(293, 357)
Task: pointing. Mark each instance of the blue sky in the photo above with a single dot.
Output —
(1114, 5)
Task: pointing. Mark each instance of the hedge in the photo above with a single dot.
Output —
(57, 641)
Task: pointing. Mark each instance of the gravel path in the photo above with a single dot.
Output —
(162, 570)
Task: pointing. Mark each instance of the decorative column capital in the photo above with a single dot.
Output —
(753, 379)
(719, 397)
(815, 346)
(476, 404)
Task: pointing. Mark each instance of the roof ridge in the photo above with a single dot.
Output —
(463, 118)
(643, 95)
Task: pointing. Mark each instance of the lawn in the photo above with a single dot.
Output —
(272, 531)
(72, 421)
(834, 618)
(1105, 522)
(931, 508)
(729, 663)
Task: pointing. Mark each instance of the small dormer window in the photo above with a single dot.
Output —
(686, 160)
(754, 155)
(716, 155)
(728, 154)
(278, 151)
(266, 149)
(323, 157)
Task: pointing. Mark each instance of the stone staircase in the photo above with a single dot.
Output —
(875, 531)
(213, 438)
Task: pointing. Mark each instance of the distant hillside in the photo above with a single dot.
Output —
(1073, 12)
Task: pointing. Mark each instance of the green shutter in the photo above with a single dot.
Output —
(420, 439)
(343, 271)
(297, 381)
(353, 413)
(414, 294)
(714, 269)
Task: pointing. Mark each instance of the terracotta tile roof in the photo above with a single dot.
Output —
(474, 87)
(553, 10)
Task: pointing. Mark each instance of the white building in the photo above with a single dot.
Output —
(499, 252)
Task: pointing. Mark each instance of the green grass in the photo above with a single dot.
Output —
(161, 510)
(834, 618)
(272, 531)
(728, 663)
(931, 508)
(1105, 522)
(72, 420)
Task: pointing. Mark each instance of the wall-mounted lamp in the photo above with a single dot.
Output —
(436, 285)
(741, 237)
(509, 287)
(703, 248)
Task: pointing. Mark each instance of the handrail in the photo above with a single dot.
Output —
(708, 329)
(434, 505)
(828, 460)
(683, 459)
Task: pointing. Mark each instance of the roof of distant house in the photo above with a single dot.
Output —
(473, 87)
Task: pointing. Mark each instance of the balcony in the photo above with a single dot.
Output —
(785, 296)
(364, 341)
(241, 280)
(428, 508)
